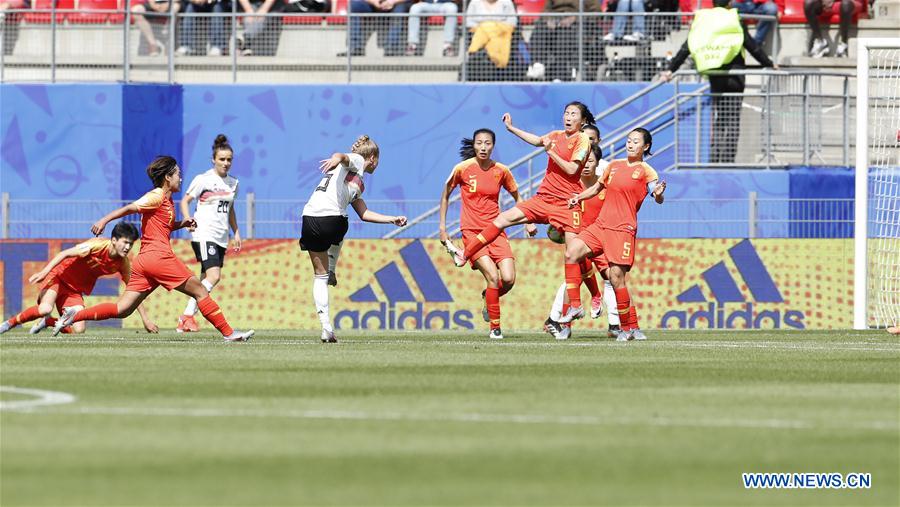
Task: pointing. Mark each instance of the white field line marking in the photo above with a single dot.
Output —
(42, 398)
(528, 419)
(602, 342)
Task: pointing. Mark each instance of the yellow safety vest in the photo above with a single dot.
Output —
(716, 38)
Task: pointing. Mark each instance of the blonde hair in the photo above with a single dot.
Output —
(365, 147)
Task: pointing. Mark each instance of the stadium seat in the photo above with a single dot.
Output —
(93, 18)
(44, 17)
(339, 7)
(526, 7)
(793, 12)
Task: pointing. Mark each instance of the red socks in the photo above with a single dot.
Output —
(492, 298)
(102, 311)
(573, 284)
(213, 314)
(489, 234)
(27, 315)
(627, 313)
(587, 275)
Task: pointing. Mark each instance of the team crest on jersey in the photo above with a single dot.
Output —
(211, 250)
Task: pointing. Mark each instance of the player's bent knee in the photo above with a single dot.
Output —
(45, 310)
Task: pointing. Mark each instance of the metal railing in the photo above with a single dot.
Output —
(232, 46)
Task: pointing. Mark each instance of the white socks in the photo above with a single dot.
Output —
(334, 251)
(609, 299)
(191, 308)
(556, 309)
(320, 296)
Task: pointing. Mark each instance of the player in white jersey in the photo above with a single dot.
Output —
(215, 192)
(325, 217)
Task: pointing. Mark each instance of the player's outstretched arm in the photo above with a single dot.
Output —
(185, 204)
(129, 209)
(587, 193)
(40, 275)
(367, 215)
(335, 160)
(528, 137)
(149, 325)
(657, 192)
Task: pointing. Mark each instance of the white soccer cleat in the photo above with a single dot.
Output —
(596, 306)
(496, 334)
(574, 313)
(637, 334)
(552, 328)
(240, 336)
(328, 336)
(4, 327)
(565, 333)
(64, 320)
(38, 326)
(623, 336)
(456, 253)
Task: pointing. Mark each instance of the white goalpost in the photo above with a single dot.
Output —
(876, 291)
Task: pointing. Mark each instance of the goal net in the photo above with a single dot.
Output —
(877, 249)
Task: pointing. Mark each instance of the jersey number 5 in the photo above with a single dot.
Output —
(323, 185)
(626, 250)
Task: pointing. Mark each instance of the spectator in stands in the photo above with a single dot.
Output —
(158, 7)
(393, 46)
(9, 22)
(491, 26)
(716, 41)
(554, 40)
(762, 8)
(262, 31)
(218, 33)
(637, 33)
(813, 9)
(446, 8)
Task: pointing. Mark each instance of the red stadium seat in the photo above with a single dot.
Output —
(526, 7)
(44, 17)
(92, 18)
(793, 12)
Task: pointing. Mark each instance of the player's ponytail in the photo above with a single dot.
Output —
(219, 144)
(161, 167)
(467, 145)
(365, 147)
(587, 117)
(648, 139)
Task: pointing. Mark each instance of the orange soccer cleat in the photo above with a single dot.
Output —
(187, 324)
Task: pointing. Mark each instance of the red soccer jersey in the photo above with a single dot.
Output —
(557, 183)
(157, 220)
(480, 192)
(626, 188)
(590, 208)
(93, 261)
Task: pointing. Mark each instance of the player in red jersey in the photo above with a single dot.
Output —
(480, 179)
(72, 274)
(567, 150)
(156, 263)
(627, 183)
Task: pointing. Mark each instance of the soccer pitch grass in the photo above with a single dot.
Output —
(446, 418)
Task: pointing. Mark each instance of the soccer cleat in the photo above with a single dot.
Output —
(841, 50)
(64, 320)
(613, 331)
(623, 336)
(496, 334)
(565, 333)
(552, 328)
(4, 327)
(328, 336)
(456, 253)
(637, 334)
(38, 326)
(240, 336)
(574, 313)
(596, 306)
(332, 279)
(187, 324)
(819, 48)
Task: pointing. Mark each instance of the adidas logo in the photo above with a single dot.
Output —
(724, 289)
(411, 313)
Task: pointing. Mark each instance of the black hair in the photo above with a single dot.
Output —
(221, 143)
(586, 114)
(161, 167)
(467, 145)
(125, 230)
(648, 138)
(721, 3)
(592, 126)
(598, 151)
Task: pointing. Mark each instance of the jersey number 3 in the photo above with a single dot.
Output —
(323, 185)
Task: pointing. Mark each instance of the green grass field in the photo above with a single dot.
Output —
(446, 419)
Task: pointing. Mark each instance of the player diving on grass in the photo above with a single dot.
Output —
(71, 275)
(480, 179)
(325, 218)
(156, 263)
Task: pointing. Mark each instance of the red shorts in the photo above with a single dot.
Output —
(616, 246)
(497, 250)
(544, 209)
(65, 295)
(600, 262)
(152, 269)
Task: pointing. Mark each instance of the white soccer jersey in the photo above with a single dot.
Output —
(215, 196)
(337, 189)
